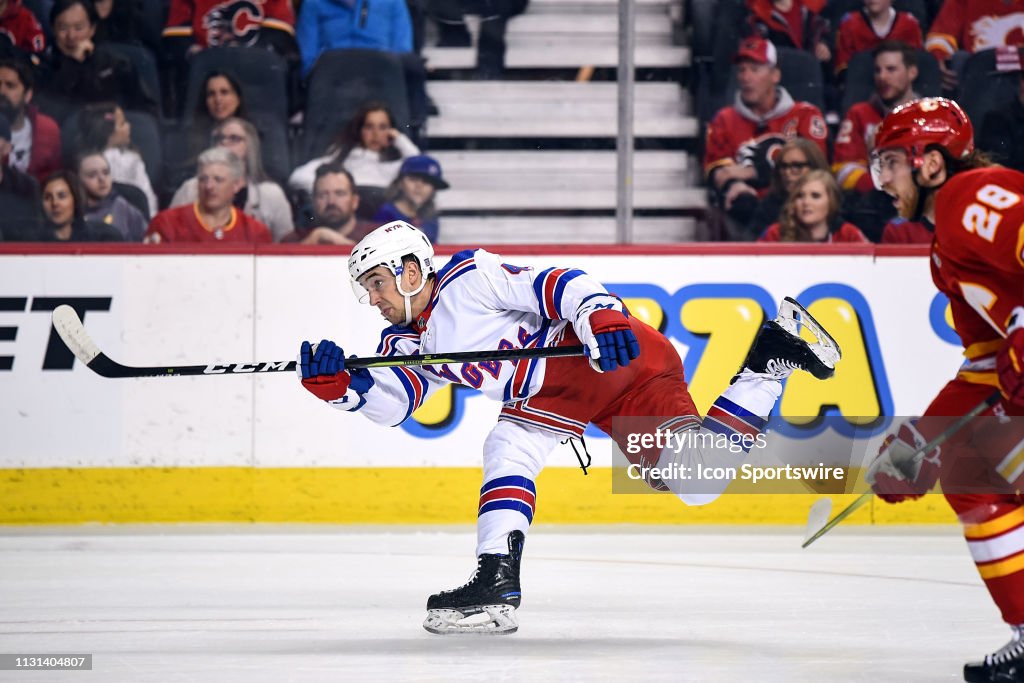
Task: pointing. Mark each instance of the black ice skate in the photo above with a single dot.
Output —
(487, 603)
(779, 349)
(1005, 665)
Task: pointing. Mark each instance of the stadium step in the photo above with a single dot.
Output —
(479, 109)
(477, 230)
(565, 180)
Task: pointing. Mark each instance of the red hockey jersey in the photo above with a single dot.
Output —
(978, 253)
(223, 22)
(736, 127)
(183, 224)
(855, 139)
(975, 25)
(22, 28)
(857, 35)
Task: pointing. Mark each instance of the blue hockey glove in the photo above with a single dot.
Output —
(603, 327)
(323, 370)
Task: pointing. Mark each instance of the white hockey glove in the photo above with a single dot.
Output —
(602, 324)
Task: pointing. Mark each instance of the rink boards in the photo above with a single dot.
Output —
(78, 447)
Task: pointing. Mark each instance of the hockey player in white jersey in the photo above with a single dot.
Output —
(479, 302)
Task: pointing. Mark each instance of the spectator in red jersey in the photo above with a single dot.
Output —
(260, 197)
(895, 71)
(811, 214)
(35, 137)
(973, 25)
(795, 159)
(792, 23)
(193, 25)
(213, 217)
(21, 26)
(875, 23)
(743, 139)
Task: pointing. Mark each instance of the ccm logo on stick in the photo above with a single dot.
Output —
(245, 367)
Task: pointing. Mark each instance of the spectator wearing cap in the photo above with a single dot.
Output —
(743, 139)
(1002, 130)
(35, 136)
(19, 196)
(335, 202)
(411, 196)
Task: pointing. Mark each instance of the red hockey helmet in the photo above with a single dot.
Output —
(915, 125)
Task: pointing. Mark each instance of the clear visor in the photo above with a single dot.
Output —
(886, 163)
(875, 165)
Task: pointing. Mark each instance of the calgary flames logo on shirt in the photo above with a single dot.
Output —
(991, 32)
(761, 152)
(237, 22)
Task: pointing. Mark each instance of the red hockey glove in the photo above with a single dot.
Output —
(901, 472)
(323, 370)
(1010, 360)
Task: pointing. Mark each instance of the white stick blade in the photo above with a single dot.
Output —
(818, 517)
(69, 327)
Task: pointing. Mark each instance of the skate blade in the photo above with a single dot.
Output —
(490, 620)
(792, 316)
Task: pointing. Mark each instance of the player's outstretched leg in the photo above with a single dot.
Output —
(487, 603)
(779, 349)
(1005, 665)
(740, 413)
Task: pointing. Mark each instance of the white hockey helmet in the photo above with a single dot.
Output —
(386, 246)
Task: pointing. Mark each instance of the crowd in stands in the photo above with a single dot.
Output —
(782, 169)
(198, 120)
(113, 131)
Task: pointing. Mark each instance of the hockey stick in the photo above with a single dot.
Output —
(71, 330)
(820, 510)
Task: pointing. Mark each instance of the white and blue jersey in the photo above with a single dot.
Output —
(478, 303)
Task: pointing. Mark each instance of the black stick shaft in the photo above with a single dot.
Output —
(109, 368)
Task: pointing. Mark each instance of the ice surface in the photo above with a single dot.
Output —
(300, 604)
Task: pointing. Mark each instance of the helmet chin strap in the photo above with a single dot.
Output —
(408, 296)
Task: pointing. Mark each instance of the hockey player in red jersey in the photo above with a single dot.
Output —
(924, 157)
